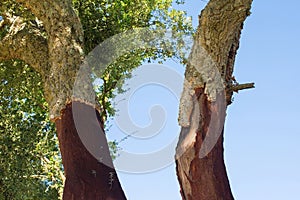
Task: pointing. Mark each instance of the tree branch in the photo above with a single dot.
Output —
(53, 14)
(24, 43)
(65, 53)
(237, 87)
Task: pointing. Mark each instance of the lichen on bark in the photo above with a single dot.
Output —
(201, 72)
(64, 55)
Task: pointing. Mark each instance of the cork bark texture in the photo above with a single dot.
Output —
(23, 42)
(57, 55)
(208, 78)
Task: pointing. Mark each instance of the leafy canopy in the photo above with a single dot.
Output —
(30, 164)
(29, 157)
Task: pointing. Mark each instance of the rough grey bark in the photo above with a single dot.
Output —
(23, 42)
(202, 173)
(57, 56)
(65, 53)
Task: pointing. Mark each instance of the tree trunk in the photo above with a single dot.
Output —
(207, 92)
(87, 177)
(202, 178)
(59, 58)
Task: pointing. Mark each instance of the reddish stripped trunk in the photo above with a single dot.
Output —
(86, 177)
(202, 178)
(218, 35)
(207, 177)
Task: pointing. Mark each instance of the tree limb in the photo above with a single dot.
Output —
(26, 44)
(65, 54)
(52, 13)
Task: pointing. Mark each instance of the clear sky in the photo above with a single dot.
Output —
(262, 136)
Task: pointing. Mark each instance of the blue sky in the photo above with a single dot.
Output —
(262, 136)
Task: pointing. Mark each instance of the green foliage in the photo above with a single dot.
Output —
(102, 19)
(114, 149)
(15, 9)
(30, 165)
